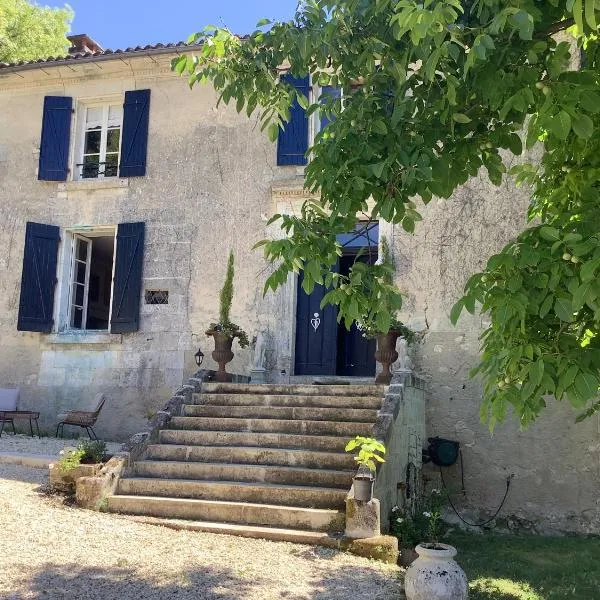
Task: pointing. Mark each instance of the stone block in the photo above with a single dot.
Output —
(67, 480)
(381, 547)
(363, 519)
(91, 491)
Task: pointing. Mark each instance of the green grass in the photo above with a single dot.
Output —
(529, 567)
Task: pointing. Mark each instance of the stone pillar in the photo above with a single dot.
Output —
(363, 519)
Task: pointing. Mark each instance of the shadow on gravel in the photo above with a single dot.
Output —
(71, 582)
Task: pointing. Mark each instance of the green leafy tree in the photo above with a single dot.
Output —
(226, 295)
(29, 31)
(432, 93)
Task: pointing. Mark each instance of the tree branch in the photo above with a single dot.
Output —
(555, 28)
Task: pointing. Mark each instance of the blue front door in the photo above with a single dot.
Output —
(315, 334)
(324, 347)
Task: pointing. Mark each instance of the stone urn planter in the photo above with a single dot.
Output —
(386, 354)
(222, 353)
(434, 575)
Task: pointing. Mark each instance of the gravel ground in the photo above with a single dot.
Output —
(49, 550)
(45, 446)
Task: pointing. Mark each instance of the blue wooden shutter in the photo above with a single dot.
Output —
(54, 144)
(36, 306)
(127, 286)
(293, 140)
(134, 144)
(325, 93)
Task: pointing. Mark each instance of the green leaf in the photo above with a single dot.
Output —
(590, 101)
(456, 310)
(515, 145)
(563, 309)
(560, 125)
(583, 126)
(588, 269)
(546, 305)
(590, 15)
(380, 127)
(549, 233)
(580, 294)
(586, 386)
(273, 131)
(460, 118)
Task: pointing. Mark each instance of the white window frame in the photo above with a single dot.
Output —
(65, 276)
(80, 130)
(75, 261)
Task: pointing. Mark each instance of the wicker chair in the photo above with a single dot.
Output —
(82, 418)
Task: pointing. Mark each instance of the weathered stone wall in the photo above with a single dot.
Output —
(402, 428)
(207, 190)
(555, 462)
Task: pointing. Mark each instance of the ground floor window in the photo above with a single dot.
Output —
(92, 265)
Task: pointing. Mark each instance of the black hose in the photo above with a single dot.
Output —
(462, 478)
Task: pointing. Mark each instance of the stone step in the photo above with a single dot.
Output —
(251, 455)
(294, 390)
(260, 493)
(188, 437)
(363, 415)
(344, 402)
(244, 473)
(349, 429)
(274, 534)
(292, 517)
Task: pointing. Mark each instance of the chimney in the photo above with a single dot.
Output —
(83, 43)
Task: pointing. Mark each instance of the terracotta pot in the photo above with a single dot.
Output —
(386, 354)
(363, 488)
(435, 575)
(222, 353)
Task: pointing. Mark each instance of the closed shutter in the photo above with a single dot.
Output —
(293, 140)
(327, 92)
(127, 286)
(38, 280)
(134, 145)
(54, 144)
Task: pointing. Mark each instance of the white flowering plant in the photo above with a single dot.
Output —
(421, 522)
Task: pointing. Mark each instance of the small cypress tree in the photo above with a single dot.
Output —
(226, 295)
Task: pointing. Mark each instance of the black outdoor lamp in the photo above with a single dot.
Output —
(199, 356)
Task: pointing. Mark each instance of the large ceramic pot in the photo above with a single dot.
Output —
(435, 575)
(222, 353)
(386, 354)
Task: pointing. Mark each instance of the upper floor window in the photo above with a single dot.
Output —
(110, 137)
(101, 142)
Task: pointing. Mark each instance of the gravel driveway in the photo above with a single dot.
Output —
(48, 550)
(48, 446)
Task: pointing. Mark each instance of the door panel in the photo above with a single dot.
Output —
(316, 334)
(355, 353)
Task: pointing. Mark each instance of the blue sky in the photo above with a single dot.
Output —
(122, 23)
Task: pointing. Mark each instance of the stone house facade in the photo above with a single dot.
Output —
(121, 193)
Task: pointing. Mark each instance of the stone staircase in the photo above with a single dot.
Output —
(255, 460)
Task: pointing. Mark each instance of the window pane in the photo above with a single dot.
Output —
(90, 166)
(110, 167)
(94, 114)
(77, 318)
(82, 249)
(115, 113)
(112, 140)
(78, 293)
(80, 272)
(92, 142)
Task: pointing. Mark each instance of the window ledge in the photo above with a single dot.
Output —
(94, 184)
(87, 337)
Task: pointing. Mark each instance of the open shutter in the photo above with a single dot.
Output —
(134, 145)
(54, 145)
(293, 140)
(127, 286)
(36, 306)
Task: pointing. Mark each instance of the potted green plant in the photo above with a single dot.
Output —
(224, 332)
(368, 452)
(386, 352)
(85, 460)
(433, 573)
